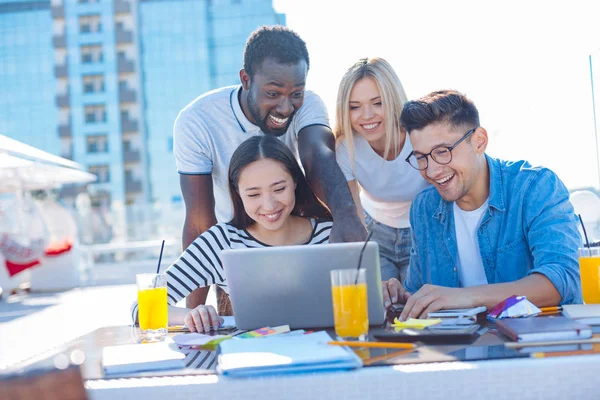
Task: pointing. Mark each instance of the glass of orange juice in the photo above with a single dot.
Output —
(152, 306)
(350, 310)
(589, 270)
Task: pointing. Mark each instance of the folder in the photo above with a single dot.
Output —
(283, 354)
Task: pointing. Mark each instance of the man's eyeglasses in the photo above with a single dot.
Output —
(441, 154)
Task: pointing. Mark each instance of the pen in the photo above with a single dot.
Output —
(388, 345)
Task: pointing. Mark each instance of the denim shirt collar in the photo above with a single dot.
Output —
(496, 197)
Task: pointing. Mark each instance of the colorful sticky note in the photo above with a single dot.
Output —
(514, 307)
(415, 323)
(265, 331)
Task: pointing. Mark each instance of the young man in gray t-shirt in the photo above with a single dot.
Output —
(271, 100)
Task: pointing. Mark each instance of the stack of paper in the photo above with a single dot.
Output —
(458, 317)
(284, 354)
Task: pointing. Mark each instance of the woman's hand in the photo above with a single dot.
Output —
(203, 319)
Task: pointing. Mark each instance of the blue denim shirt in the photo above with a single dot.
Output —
(529, 227)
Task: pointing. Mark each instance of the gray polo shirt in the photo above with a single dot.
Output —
(209, 129)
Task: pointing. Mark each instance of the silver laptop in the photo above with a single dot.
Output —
(291, 285)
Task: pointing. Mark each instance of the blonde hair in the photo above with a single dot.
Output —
(393, 98)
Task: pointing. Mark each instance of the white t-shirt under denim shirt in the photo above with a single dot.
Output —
(387, 187)
(468, 260)
(210, 128)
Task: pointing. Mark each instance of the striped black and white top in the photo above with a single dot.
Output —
(200, 264)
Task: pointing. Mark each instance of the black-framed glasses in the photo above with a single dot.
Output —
(441, 154)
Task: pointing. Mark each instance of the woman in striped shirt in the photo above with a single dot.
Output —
(273, 205)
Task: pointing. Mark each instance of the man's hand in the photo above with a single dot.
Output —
(203, 319)
(431, 298)
(394, 292)
(347, 229)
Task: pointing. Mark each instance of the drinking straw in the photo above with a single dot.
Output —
(159, 260)
(587, 242)
(160, 256)
(361, 254)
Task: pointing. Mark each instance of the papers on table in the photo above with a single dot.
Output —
(198, 339)
(142, 357)
(458, 317)
(284, 354)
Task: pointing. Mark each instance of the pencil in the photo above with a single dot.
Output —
(564, 353)
(517, 345)
(387, 345)
(373, 360)
(550, 309)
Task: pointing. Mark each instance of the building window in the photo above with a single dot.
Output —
(97, 144)
(91, 54)
(95, 113)
(93, 83)
(101, 171)
(170, 145)
(90, 23)
(126, 145)
(129, 177)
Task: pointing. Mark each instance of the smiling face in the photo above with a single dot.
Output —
(366, 112)
(267, 191)
(273, 95)
(465, 179)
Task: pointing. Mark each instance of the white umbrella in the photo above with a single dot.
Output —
(23, 167)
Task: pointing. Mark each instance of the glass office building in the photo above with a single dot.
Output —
(102, 81)
(27, 84)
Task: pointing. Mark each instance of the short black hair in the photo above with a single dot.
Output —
(442, 106)
(277, 42)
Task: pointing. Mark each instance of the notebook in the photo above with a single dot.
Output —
(588, 314)
(537, 329)
(142, 357)
(283, 354)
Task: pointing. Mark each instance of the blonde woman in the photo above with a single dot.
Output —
(371, 149)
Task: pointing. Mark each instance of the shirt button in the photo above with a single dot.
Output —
(454, 269)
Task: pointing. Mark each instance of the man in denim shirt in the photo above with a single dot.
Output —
(487, 229)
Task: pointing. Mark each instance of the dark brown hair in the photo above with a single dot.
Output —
(447, 106)
(266, 146)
